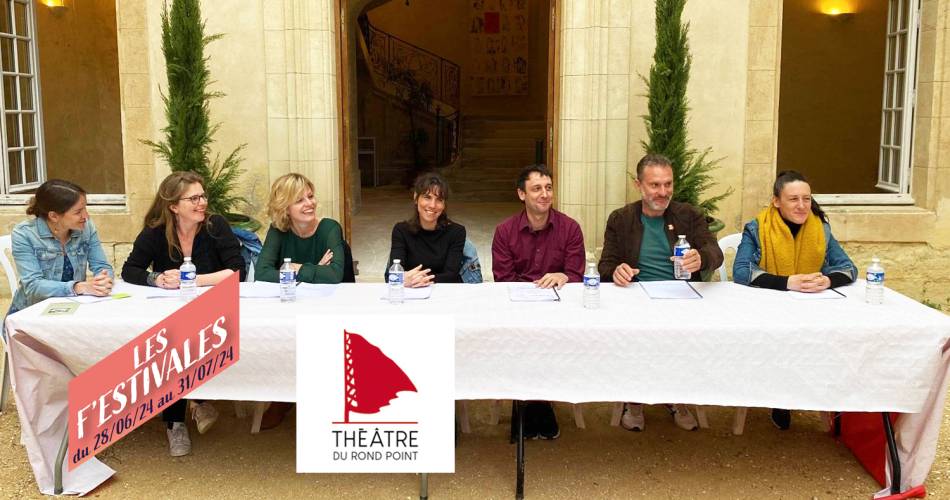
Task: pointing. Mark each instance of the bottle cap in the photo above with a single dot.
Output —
(682, 236)
(286, 259)
(187, 259)
(396, 261)
(875, 259)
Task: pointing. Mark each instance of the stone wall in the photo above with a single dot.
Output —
(278, 66)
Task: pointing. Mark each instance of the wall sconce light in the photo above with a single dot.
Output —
(55, 5)
(837, 9)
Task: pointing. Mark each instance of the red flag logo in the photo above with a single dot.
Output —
(371, 379)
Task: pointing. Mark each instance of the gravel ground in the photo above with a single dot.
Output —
(598, 462)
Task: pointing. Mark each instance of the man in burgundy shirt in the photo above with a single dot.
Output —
(543, 246)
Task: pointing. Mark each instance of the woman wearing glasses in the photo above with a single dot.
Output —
(177, 226)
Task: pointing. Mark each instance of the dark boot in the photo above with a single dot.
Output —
(275, 414)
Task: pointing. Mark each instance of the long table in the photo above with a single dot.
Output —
(737, 346)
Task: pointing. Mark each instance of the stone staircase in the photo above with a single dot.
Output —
(494, 150)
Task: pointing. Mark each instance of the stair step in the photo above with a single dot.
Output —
(489, 171)
(475, 167)
(483, 196)
(503, 122)
(500, 142)
(519, 133)
(497, 159)
(478, 185)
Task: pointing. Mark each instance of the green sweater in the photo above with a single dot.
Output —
(279, 245)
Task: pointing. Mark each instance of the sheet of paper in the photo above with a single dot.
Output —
(312, 291)
(529, 292)
(157, 293)
(674, 289)
(162, 293)
(60, 308)
(822, 295)
(92, 299)
(260, 290)
(410, 293)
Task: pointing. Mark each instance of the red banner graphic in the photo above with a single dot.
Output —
(154, 370)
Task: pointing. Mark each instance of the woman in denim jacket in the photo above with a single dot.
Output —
(789, 246)
(796, 212)
(53, 249)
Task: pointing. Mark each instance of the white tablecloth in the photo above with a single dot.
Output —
(737, 346)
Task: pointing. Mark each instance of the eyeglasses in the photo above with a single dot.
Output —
(196, 198)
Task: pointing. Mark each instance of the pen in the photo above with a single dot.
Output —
(556, 294)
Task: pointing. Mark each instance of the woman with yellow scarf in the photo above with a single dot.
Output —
(789, 246)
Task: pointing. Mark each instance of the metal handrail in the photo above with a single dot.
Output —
(382, 47)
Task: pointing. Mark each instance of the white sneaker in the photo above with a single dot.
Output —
(632, 418)
(683, 418)
(205, 416)
(179, 444)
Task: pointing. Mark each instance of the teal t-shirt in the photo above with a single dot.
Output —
(655, 252)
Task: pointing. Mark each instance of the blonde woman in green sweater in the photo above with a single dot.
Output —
(313, 244)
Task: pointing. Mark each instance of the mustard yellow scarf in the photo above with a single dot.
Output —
(785, 255)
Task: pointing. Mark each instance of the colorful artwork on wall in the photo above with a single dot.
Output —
(498, 40)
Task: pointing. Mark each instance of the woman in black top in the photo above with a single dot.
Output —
(429, 245)
(178, 225)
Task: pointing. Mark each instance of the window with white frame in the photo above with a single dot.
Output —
(23, 165)
(847, 95)
(899, 90)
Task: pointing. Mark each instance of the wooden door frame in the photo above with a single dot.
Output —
(343, 62)
(553, 114)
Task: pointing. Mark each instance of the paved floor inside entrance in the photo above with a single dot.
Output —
(383, 207)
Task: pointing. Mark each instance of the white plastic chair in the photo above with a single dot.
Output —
(6, 244)
(726, 243)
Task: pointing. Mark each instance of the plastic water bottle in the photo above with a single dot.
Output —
(679, 250)
(591, 287)
(874, 292)
(188, 276)
(288, 282)
(396, 276)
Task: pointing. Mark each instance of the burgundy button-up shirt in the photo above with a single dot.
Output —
(520, 254)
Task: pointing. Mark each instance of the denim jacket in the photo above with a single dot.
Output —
(39, 261)
(746, 266)
(471, 269)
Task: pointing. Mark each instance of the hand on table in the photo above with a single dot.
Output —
(99, 285)
(808, 283)
(169, 279)
(555, 280)
(418, 277)
(624, 274)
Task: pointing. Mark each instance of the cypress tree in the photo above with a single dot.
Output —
(668, 108)
(189, 133)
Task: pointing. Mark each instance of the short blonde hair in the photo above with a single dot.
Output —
(287, 189)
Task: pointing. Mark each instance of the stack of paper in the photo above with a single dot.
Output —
(529, 292)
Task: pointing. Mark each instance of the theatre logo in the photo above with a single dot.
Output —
(375, 394)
